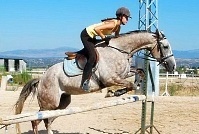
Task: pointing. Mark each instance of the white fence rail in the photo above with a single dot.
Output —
(12, 119)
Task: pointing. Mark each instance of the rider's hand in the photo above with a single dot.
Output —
(106, 40)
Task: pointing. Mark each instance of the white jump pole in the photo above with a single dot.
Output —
(166, 93)
(13, 119)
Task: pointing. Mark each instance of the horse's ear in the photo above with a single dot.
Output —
(162, 34)
(159, 34)
(156, 35)
(157, 31)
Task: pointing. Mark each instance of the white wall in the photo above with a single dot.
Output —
(11, 65)
(22, 66)
(1, 62)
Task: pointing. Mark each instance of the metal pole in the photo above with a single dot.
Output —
(147, 20)
(152, 115)
(144, 103)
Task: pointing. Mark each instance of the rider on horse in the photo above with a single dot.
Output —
(88, 36)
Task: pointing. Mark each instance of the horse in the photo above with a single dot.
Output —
(55, 87)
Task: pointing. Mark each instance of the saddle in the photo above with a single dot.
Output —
(80, 58)
(75, 62)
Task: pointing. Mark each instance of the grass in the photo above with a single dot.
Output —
(22, 78)
(19, 79)
(181, 90)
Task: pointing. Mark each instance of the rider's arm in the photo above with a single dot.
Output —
(109, 25)
(117, 32)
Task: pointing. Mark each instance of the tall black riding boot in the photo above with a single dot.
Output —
(86, 77)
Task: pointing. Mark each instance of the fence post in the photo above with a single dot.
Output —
(3, 83)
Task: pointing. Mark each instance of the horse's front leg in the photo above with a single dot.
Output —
(140, 74)
(128, 86)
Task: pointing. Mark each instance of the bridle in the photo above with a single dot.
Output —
(160, 46)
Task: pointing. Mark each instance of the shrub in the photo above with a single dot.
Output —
(22, 78)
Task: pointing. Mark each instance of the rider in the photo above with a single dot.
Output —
(106, 27)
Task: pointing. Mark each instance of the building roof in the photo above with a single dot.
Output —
(12, 59)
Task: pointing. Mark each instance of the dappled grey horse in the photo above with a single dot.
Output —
(55, 87)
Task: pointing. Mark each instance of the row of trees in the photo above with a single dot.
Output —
(184, 70)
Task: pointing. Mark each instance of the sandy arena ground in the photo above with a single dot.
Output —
(173, 115)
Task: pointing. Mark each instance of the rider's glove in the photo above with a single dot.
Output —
(106, 40)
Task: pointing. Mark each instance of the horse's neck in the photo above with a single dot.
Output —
(134, 42)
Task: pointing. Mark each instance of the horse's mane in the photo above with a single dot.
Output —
(132, 32)
(122, 35)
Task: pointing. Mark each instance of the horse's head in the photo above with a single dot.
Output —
(163, 53)
(156, 43)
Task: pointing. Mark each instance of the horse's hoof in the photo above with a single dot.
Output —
(120, 92)
(110, 93)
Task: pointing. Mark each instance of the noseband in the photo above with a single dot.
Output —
(162, 54)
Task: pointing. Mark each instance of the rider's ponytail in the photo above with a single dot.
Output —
(108, 19)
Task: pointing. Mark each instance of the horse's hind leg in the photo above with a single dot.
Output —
(35, 124)
(64, 102)
(48, 123)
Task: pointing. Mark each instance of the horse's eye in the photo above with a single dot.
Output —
(166, 46)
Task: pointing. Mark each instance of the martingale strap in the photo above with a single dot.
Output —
(122, 51)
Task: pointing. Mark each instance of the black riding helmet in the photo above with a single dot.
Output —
(123, 11)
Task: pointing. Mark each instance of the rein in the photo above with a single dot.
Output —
(161, 52)
(148, 55)
(122, 51)
(164, 58)
(158, 44)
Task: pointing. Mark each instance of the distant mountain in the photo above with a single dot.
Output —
(48, 57)
(189, 54)
(36, 53)
(187, 62)
(59, 52)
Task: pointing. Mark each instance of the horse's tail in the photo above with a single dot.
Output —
(27, 89)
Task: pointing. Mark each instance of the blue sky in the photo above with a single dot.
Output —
(42, 24)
